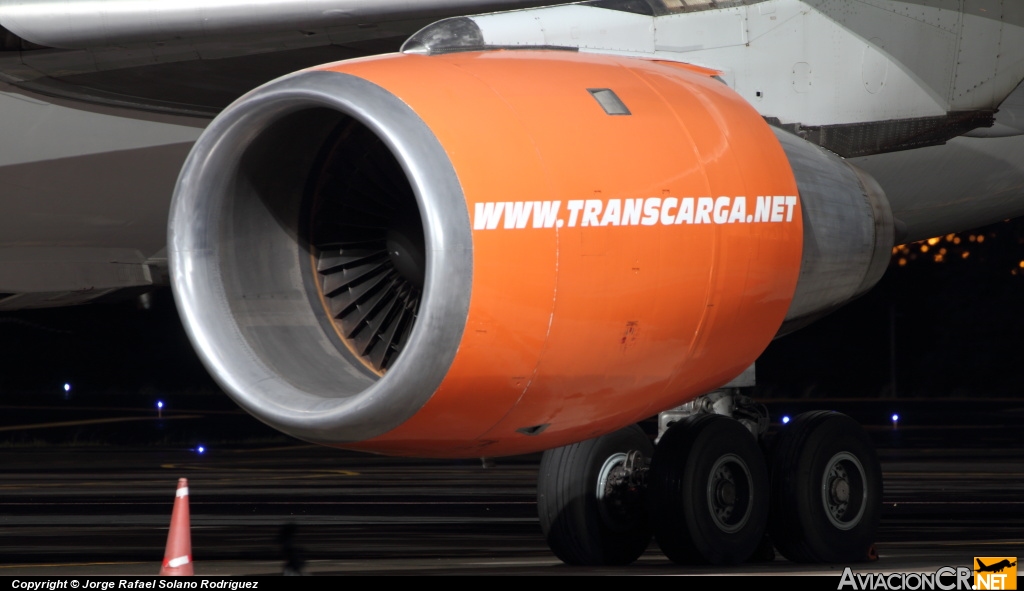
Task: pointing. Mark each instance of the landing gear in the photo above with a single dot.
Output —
(590, 499)
(708, 492)
(708, 489)
(826, 490)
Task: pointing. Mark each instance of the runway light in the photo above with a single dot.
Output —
(785, 420)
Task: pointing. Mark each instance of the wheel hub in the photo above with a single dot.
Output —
(844, 491)
(729, 495)
(619, 492)
(841, 490)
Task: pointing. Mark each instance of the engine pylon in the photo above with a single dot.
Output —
(178, 554)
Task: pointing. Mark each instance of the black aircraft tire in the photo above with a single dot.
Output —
(816, 455)
(694, 520)
(579, 528)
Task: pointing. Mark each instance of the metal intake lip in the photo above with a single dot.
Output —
(237, 253)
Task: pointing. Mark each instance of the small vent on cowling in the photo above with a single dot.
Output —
(368, 245)
(609, 101)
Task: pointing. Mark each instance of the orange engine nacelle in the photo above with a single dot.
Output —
(483, 254)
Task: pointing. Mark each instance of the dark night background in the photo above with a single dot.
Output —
(949, 318)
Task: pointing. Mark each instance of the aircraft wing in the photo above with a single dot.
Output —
(102, 101)
(197, 57)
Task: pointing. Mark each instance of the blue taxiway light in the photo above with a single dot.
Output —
(67, 387)
(159, 403)
(785, 420)
(201, 449)
(895, 417)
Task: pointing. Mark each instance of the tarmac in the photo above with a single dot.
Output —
(954, 489)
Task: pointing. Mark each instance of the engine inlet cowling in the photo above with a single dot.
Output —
(299, 240)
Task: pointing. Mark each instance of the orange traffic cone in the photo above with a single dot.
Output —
(178, 555)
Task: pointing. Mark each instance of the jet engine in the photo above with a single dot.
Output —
(490, 253)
